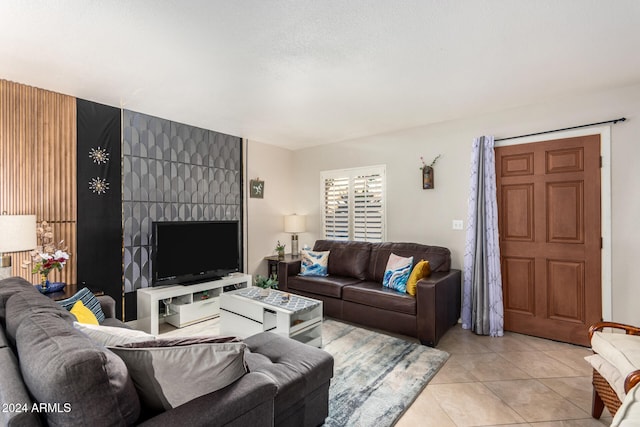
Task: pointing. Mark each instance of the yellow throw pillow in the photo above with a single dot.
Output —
(83, 314)
(420, 271)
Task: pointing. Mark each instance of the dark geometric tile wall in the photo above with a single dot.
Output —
(173, 172)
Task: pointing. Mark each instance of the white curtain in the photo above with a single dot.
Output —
(482, 309)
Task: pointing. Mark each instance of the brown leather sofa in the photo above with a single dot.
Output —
(353, 289)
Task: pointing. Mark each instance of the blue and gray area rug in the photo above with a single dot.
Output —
(376, 376)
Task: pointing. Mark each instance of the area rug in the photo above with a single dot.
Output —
(376, 376)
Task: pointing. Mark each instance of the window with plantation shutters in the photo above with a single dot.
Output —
(353, 204)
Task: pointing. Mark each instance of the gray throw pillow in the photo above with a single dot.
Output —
(170, 372)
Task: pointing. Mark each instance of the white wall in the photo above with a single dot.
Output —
(265, 221)
(425, 215)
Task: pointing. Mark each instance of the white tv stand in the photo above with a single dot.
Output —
(189, 303)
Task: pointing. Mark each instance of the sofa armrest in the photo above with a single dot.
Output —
(438, 305)
(248, 401)
(286, 269)
(108, 305)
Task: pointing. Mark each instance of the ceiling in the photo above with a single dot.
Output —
(299, 73)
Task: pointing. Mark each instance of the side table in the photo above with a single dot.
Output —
(70, 291)
(273, 260)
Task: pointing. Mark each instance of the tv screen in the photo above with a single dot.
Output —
(194, 251)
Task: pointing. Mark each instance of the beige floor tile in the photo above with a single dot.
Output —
(508, 342)
(453, 372)
(463, 342)
(542, 344)
(586, 422)
(425, 412)
(534, 401)
(577, 390)
(473, 404)
(539, 365)
(509, 425)
(573, 358)
(489, 366)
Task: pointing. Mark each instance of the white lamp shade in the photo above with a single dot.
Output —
(295, 223)
(17, 233)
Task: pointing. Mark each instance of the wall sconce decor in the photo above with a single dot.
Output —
(427, 173)
(256, 189)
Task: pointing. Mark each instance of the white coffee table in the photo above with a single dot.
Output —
(245, 312)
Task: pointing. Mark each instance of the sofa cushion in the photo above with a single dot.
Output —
(439, 258)
(397, 272)
(61, 365)
(88, 300)
(621, 350)
(170, 372)
(347, 259)
(297, 369)
(330, 286)
(628, 414)
(421, 270)
(609, 373)
(3, 339)
(109, 335)
(11, 286)
(14, 394)
(23, 305)
(375, 295)
(314, 263)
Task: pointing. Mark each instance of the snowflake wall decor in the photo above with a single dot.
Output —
(99, 155)
(98, 185)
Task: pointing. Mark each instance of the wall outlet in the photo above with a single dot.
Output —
(457, 224)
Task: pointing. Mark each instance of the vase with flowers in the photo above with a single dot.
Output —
(47, 256)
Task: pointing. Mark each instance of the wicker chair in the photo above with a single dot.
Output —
(603, 392)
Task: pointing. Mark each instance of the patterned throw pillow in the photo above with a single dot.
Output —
(420, 271)
(88, 300)
(397, 272)
(314, 263)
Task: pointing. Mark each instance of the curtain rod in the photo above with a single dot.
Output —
(614, 121)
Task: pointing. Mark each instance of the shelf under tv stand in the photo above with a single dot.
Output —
(188, 303)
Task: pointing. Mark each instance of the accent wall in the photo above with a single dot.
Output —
(172, 172)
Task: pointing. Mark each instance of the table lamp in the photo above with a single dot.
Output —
(17, 233)
(294, 224)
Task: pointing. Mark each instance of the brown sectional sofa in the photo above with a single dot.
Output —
(353, 289)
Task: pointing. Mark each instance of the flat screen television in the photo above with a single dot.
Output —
(189, 252)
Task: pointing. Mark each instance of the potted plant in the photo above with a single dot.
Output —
(266, 283)
(280, 249)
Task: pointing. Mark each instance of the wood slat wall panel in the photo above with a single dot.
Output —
(38, 164)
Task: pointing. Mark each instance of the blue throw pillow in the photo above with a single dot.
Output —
(314, 263)
(397, 273)
(88, 300)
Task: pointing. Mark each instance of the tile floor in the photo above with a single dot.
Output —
(515, 380)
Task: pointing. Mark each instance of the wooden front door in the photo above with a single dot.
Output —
(550, 239)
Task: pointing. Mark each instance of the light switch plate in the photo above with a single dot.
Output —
(457, 224)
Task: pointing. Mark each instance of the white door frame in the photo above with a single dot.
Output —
(605, 197)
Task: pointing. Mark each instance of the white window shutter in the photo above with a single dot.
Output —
(367, 208)
(353, 204)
